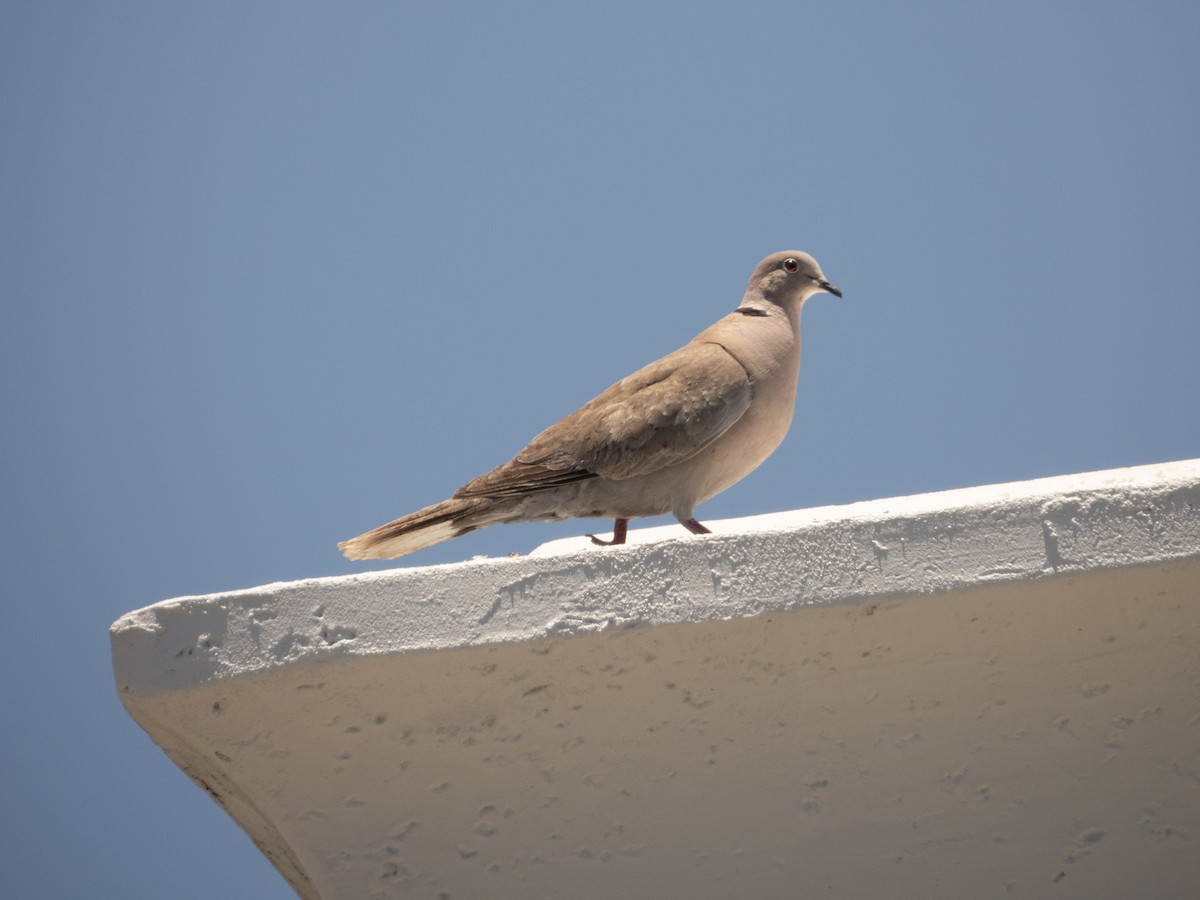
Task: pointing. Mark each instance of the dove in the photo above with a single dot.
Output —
(662, 440)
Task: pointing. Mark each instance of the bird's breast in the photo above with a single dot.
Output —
(755, 436)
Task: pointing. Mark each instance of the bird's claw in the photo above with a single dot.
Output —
(620, 529)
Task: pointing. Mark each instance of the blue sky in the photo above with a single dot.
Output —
(274, 273)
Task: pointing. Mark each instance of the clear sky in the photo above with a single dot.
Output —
(273, 273)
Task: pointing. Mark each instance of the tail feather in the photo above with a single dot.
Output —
(424, 528)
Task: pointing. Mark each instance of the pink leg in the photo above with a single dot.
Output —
(620, 529)
(694, 527)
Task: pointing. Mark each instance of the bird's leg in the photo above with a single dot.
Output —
(694, 527)
(620, 528)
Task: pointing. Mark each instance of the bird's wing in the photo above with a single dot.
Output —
(659, 416)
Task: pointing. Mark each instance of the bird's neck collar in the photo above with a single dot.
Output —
(759, 304)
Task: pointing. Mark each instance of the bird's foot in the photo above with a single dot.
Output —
(620, 528)
(694, 527)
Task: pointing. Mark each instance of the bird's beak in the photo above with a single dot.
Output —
(828, 288)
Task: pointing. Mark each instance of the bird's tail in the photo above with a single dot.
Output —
(424, 528)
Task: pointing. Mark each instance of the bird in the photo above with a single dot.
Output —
(671, 435)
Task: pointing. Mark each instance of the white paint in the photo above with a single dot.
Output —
(791, 723)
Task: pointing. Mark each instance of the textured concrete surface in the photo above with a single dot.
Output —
(983, 692)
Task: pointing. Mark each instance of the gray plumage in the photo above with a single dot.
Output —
(666, 438)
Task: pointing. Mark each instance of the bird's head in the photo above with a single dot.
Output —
(789, 277)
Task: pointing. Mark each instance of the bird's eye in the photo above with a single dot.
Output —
(790, 265)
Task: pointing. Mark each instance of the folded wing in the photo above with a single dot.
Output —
(659, 416)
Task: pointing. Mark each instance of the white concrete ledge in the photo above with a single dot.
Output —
(1033, 723)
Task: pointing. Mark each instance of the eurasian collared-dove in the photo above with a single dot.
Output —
(662, 440)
